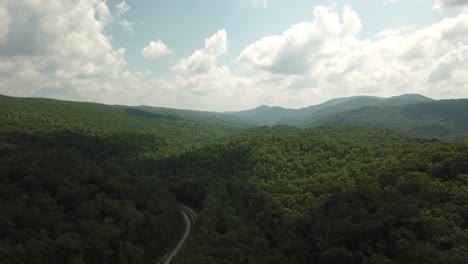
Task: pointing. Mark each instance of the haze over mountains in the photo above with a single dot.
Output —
(413, 113)
(94, 183)
(277, 115)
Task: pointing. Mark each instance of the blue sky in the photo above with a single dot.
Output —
(183, 25)
(232, 55)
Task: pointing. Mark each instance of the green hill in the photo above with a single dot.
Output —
(76, 185)
(442, 119)
(174, 130)
(93, 183)
(365, 101)
(266, 115)
(227, 121)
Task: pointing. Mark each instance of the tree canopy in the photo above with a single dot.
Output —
(89, 183)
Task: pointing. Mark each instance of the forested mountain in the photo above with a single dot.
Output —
(413, 113)
(92, 183)
(127, 118)
(75, 185)
(361, 102)
(266, 115)
(441, 119)
(228, 121)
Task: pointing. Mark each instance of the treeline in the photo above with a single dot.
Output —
(325, 195)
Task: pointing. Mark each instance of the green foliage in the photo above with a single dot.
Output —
(266, 115)
(162, 134)
(76, 185)
(445, 119)
(62, 204)
(89, 183)
(326, 195)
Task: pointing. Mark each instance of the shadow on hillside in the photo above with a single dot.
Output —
(139, 113)
(120, 147)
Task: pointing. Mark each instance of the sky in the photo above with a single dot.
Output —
(232, 55)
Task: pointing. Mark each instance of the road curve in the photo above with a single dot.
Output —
(189, 217)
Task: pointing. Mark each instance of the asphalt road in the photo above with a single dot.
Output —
(189, 217)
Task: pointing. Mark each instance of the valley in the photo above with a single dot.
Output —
(92, 183)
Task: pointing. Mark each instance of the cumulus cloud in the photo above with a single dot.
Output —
(4, 23)
(327, 56)
(204, 60)
(156, 49)
(60, 50)
(127, 25)
(200, 75)
(294, 51)
(449, 3)
(56, 44)
(122, 8)
(446, 65)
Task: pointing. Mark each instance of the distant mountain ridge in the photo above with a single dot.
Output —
(413, 113)
(272, 115)
(445, 119)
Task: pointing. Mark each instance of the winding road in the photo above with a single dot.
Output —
(189, 216)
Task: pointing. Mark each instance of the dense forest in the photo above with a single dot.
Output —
(276, 115)
(89, 183)
(74, 186)
(66, 199)
(445, 119)
(411, 113)
(326, 195)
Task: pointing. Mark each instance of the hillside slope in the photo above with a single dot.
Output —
(442, 119)
(76, 185)
(267, 115)
(171, 131)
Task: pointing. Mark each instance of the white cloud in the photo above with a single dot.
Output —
(260, 3)
(100, 9)
(156, 49)
(327, 57)
(200, 76)
(55, 45)
(297, 48)
(60, 50)
(4, 23)
(122, 8)
(127, 25)
(204, 60)
(446, 65)
(449, 3)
